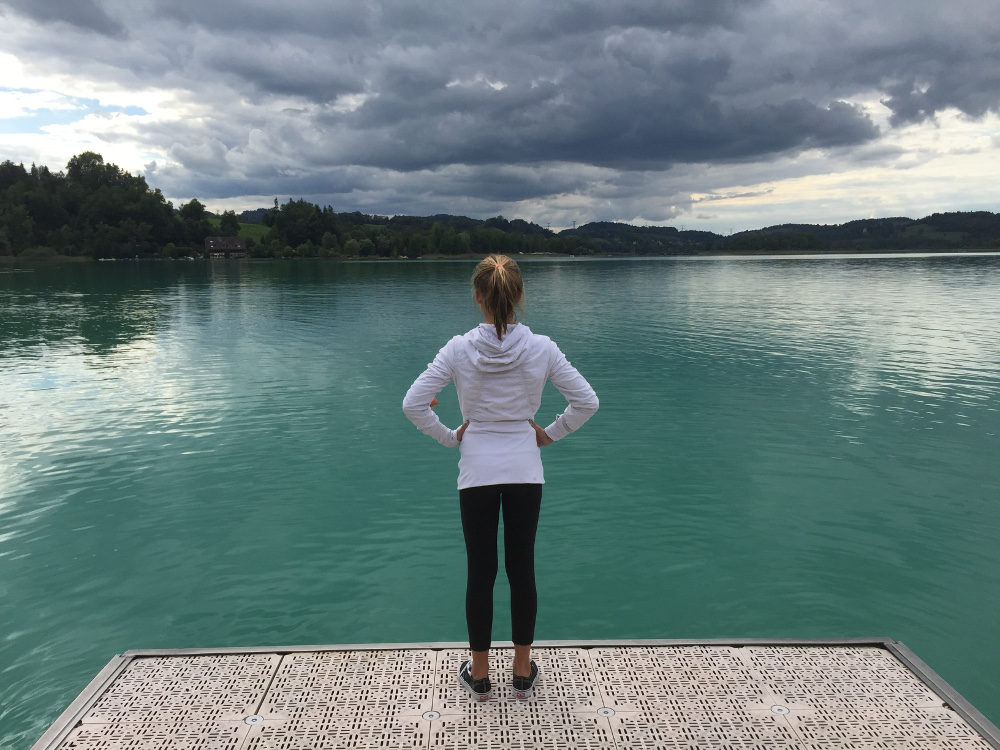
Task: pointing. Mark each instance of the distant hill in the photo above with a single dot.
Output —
(616, 238)
(944, 231)
(400, 221)
(464, 223)
(940, 231)
(978, 230)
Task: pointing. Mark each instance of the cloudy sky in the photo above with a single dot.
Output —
(703, 114)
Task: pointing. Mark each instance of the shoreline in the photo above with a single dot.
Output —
(15, 260)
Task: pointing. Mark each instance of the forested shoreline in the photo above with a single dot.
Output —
(95, 210)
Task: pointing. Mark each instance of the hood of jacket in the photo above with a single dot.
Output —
(490, 354)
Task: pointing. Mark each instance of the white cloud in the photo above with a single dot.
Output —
(349, 102)
(478, 80)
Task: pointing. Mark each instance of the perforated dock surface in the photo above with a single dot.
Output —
(773, 696)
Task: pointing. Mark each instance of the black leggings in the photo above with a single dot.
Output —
(480, 519)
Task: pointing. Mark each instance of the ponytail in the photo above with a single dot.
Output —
(498, 281)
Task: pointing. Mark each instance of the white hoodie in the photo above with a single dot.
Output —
(499, 384)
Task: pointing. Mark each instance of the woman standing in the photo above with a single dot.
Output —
(499, 369)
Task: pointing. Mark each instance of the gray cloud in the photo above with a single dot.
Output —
(279, 68)
(84, 14)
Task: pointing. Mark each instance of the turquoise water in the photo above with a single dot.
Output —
(214, 455)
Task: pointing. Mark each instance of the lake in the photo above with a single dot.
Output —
(213, 454)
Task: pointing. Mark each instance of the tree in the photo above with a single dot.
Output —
(193, 210)
(17, 228)
(85, 170)
(11, 174)
(195, 226)
(229, 225)
(330, 244)
(299, 221)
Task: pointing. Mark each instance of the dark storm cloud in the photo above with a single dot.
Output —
(365, 22)
(280, 68)
(964, 84)
(84, 14)
(629, 99)
(922, 57)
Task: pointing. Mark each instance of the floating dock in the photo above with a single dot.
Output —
(728, 695)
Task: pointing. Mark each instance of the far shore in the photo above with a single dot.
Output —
(42, 260)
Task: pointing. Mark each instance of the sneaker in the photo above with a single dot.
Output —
(479, 689)
(524, 687)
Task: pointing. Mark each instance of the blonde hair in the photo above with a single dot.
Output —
(500, 286)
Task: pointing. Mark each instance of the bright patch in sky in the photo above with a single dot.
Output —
(31, 111)
(478, 80)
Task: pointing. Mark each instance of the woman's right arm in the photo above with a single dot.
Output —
(417, 401)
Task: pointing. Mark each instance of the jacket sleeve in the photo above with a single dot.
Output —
(417, 401)
(582, 400)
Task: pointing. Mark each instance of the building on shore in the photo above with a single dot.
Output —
(225, 247)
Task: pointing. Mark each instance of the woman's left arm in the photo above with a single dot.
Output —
(417, 402)
(574, 387)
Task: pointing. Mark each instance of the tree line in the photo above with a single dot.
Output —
(92, 209)
(298, 228)
(96, 209)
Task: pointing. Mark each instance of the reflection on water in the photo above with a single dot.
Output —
(198, 455)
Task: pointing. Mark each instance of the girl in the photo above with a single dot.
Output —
(499, 369)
